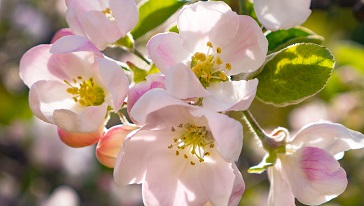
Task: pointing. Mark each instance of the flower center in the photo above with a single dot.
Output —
(208, 67)
(193, 142)
(86, 92)
(108, 14)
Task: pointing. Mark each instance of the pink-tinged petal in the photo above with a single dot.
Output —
(282, 14)
(231, 95)
(99, 29)
(238, 188)
(217, 180)
(207, 21)
(125, 13)
(182, 83)
(115, 80)
(61, 33)
(111, 142)
(137, 90)
(181, 183)
(227, 132)
(331, 137)
(247, 51)
(73, 21)
(135, 155)
(152, 101)
(280, 192)
(87, 121)
(47, 96)
(314, 175)
(81, 7)
(79, 139)
(34, 65)
(166, 51)
(74, 43)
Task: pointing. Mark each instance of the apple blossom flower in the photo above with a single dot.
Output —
(109, 145)
(213, 44)
(282, 14)
(182, 155)
(308, 170)
(73, 90)
(102, 22)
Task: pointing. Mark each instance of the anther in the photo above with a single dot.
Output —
(218, 61)
(228, 66)
(212, 145)
(172, 129)
(209, 44)
(218, 50)
(185, 156)
(170, 146)
(192, 163)
(177, 153)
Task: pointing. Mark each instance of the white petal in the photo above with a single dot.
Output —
(314, 175)
(182, 83)
(247, 51)
(152, 101)
(217, 180)
(282, 14)
(88, 120)
(47, 96)
(280, 192)
(207, 21)
(231, 95)
(115, 80)
(166, 51)
(99, 29)
(74, 43)
(125, 13)
(227, 132)
(331, 137)
(238, 187)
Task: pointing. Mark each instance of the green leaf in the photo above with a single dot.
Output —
(126, 42)
(152, 13)
(139, 74)
(267, 161)
(283, 38)
(294, 74)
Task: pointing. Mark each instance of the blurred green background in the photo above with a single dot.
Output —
(37, 169)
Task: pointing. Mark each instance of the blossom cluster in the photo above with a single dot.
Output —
(177, 138)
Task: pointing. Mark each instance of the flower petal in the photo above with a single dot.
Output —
(79, 139)
(227, 132)
(282, 14)
(87, 121)
(99, 29)
(182, 83)
(238, 188)
(207, 21)
(331, 137)
(115, 81)
(166, 50)
(61, 33)
(247, 51)
(231, 95)
(125, 13)
(152, 101)
(74, 43)
(110, 144)
(315, 175)
(280, 192)
(47, 96)
(217, 180)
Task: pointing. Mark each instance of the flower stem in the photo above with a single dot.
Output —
(141, 56)
(254, 126)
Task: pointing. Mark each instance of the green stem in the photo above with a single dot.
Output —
(268, 143)
(253, 124)
(141, 56)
